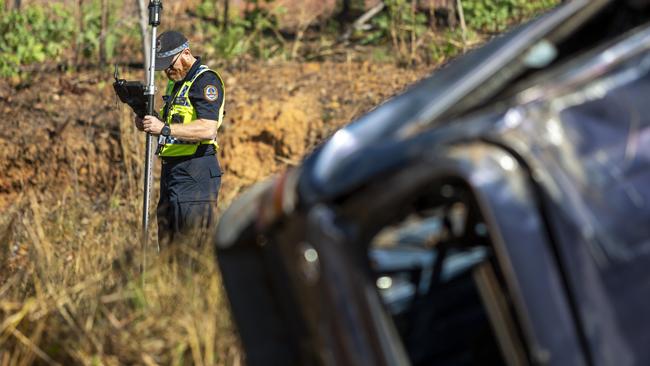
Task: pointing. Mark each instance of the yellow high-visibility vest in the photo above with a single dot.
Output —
(181, 110)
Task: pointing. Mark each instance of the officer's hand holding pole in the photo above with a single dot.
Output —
(152, 125)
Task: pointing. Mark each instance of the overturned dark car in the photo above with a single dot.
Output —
(497, 213)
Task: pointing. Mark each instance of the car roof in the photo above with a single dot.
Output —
(474, 76)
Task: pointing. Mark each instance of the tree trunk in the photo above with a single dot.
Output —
(146, 37)
(345, 9)
(80, 31)
(102, 34)
(344, 15)
(226, 11)
(463, 26)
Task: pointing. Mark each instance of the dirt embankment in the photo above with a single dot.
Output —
(66, 131)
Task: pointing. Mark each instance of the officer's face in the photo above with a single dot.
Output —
(175, 70)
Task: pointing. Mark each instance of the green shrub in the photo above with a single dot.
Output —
(447, 46)
(256, 33)
(398, 22)
(412, 39)
(264, 39)
(226, 43)
(88, 41)
(402, 26)
(498, 15)
(33, 35)
(39, 33)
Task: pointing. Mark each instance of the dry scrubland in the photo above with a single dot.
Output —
(76, 296)
(71, 290)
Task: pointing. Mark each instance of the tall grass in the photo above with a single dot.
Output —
(71, 291)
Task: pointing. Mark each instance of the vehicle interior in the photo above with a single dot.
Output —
(438, 277)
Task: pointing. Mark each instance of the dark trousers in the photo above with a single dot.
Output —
(188, 197)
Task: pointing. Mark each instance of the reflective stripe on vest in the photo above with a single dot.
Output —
(182, 108)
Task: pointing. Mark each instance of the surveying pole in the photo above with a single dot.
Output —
(155, 6)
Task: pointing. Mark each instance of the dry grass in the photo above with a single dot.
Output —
(71, 290)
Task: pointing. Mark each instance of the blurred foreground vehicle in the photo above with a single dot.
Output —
(496, 213)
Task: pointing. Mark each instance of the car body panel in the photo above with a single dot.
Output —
(559, 170)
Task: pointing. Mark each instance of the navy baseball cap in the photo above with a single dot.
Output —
(168, 45)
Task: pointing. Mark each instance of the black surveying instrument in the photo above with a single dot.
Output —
(141, 99)
(131, 93)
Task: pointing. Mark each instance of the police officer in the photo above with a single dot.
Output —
(192, 112)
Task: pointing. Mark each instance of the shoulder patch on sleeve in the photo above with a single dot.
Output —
(211, 93)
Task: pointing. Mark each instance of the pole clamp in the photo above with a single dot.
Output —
(155, 6)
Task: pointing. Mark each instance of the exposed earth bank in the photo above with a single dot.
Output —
(67, 132)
